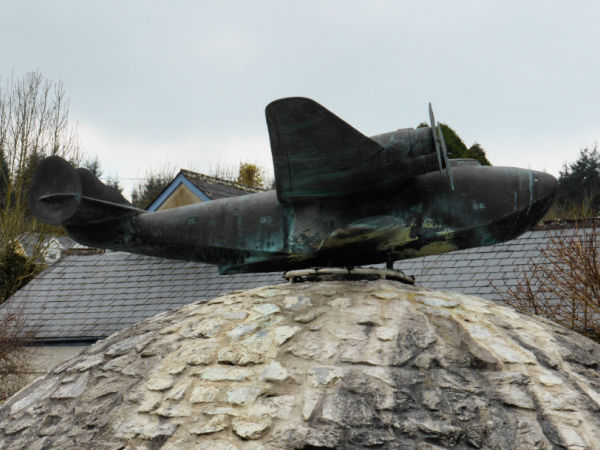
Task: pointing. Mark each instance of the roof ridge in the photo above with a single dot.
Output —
(558, 224)
(214, 179)
(83, 251)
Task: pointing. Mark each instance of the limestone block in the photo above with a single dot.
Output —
(214, 424)
(72, 390)
(340, 302)
(308, 316)
(242, 395)
(146, 427)
(242, 330)
(88, 361)
(247, 429)
(296, 302)
(235, 315)
(283, 333)
(128, 343)
(224, 374)
(266, 309)
(274, 372)
(173, 410)
(150, 402)
(309, 402)
(159, 383)
(204, 394)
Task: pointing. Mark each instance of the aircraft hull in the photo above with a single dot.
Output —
(256, 232)
(341, 199)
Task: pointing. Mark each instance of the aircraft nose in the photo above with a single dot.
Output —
(544, 187)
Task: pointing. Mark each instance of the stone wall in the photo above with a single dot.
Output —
(328, 365)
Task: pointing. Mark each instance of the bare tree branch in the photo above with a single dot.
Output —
(564, 285)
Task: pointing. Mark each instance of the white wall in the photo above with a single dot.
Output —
(46, 357)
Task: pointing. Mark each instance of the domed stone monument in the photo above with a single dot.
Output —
(321, 365)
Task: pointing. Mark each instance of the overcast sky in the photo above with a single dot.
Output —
(186, 82)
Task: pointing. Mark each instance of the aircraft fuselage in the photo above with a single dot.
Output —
(341, 199)
(414, 218)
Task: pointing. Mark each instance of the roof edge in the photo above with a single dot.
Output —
(43, 342)
(560, 224)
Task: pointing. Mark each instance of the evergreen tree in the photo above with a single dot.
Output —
(93, 165)
(4, 174)
(457, 148)
(477, 152)
(579, 182)
(114, 182)
(149, 188)
(31, 163)
(16, 270)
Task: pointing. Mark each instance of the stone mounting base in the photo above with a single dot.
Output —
(337, 274)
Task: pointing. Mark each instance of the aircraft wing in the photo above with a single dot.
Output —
(315, 153)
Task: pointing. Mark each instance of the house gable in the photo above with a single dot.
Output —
(190, 187)
(164, 199)
(181, 196)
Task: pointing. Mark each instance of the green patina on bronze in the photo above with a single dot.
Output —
(341, 199)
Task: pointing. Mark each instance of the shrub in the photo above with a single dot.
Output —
(16, 270)
(15, 355)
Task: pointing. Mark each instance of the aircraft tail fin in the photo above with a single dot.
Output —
(59, 194)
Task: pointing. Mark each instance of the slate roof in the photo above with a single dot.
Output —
(90, 296)
(480, 271)
(215, 188)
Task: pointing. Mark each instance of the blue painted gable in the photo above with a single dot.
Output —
(178, 181)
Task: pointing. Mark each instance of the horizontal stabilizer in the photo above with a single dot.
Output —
(59, 194)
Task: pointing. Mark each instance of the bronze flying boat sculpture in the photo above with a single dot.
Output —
(342, 199)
